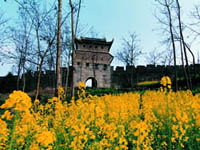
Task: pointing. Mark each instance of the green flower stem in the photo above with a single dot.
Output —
(12, 133)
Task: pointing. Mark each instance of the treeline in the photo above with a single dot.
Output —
(42, 38)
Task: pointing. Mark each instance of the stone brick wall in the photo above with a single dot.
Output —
(106, 76)
(121, 75)
(101, 72)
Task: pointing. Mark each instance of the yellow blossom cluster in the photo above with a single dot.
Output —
(81, 90)
(166, 81)
(61, 94)
(4, 133)
(153, 120)
(18, 100)
(166, 84)
(81, 85)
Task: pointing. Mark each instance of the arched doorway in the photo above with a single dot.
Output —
(91, 82)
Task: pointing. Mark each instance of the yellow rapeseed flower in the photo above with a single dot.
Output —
(4, 133)
(81, 85)
(7, 115)
(18, 100)
(45, 138)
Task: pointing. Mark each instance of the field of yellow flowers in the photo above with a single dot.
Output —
(154, 120)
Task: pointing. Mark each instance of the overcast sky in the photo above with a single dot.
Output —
(115, 19)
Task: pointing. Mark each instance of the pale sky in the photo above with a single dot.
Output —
(115, 19)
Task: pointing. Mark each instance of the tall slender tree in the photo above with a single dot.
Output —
(58, 57)
(166, 11)
(182, 41)
(130, 52)
(72, 45)
(75, 8)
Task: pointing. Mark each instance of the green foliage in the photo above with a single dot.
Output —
(196, 90)
(2, 100)
(101, 92)
(44, 98)
(147, 83)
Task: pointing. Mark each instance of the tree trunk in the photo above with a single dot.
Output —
(193, 57)
(24, 79)
(183, 64)
(73, 38)
(184, 47)
(58, 57)
(24, 61)
(18, 74)
(67, 76)
(173, 45)
(38, 46)
(79, 8)
(38, 79)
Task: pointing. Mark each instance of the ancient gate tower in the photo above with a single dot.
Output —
(92, 60)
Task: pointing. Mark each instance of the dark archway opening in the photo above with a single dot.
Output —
(91, 82)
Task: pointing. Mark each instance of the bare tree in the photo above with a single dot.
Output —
(167, 21)
(130, 52)
(167, 57)
(194, 26)
(20, 36)
(45, 32)
(45, 38)
(172, 12)
(67, 46)
(75, 11)
(153, 57)
(182, 44)
(74, 8)
(23, 43)
(3, 31)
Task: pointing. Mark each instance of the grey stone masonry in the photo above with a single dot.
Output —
(92, 59)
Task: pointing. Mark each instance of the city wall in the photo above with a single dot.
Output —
(121, 77)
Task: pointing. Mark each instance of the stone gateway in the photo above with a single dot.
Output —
(91, 60)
